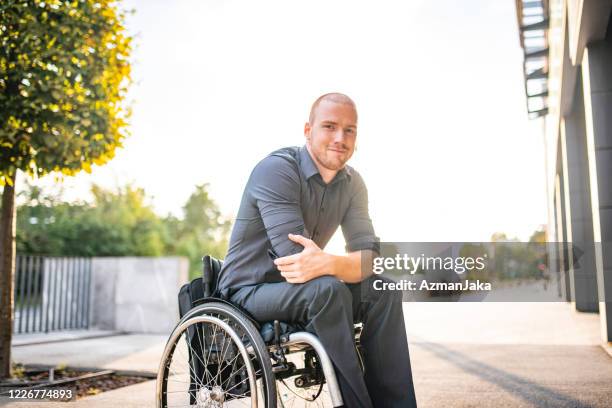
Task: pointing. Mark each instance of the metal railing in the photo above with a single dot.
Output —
(51, 293)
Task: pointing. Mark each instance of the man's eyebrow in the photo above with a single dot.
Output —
(335, 123)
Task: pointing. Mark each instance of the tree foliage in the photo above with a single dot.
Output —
(119, 223)
(202, 230)
(64, 72)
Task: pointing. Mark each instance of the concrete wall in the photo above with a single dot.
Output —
(136, 294)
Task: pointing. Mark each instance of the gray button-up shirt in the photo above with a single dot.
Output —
(286, 194)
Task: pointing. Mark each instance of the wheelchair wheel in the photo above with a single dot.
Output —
(215, 357)
(305, 386)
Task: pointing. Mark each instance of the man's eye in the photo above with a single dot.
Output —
(328, 126)
(350, 131)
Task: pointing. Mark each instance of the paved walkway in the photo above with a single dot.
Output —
(507, 355)
(463, 355)
(136, 352)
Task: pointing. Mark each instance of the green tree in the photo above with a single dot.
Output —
(117, 223)
(202, 230)
(64, 72)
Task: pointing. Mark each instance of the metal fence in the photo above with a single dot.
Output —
(51, 293)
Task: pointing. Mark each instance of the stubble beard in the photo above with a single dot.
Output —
(330, 163)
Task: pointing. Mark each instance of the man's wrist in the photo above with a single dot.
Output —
(337, 264)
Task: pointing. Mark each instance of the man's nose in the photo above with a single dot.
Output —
(339, 136)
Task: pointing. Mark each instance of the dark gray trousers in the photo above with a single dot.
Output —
(329, 308)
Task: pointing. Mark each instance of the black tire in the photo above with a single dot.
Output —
(240, 359)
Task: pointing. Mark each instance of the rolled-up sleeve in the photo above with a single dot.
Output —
(275, 188)
(357, 225)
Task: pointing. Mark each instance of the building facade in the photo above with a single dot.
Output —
(568, 83)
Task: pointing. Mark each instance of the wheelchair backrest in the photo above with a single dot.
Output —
(202, 287)
(210, 274)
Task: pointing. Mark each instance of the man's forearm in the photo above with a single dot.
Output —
(312, 262)
(353, 267)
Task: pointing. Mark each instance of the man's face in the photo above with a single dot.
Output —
(332, 134)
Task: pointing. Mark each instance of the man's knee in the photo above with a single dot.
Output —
(328, 291)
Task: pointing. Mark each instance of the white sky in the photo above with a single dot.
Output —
(444, 142)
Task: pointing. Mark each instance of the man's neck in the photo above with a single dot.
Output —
(326, 174)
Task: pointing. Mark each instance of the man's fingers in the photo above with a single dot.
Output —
(287, 268)
(287, 260)
(294, 277)
(291, 276)
(300, 239)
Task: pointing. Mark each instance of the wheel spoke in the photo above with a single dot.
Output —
(290, 395)
(238, 383)
(192, 370)
(202, 345)
(220, 339)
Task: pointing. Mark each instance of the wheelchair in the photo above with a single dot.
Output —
(219, 356)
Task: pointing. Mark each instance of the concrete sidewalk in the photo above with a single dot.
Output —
(463, 355)
(507, 355)
(135, 352)
(134, 396)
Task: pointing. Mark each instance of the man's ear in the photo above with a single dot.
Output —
(307, 129)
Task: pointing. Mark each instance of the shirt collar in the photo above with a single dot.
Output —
(309, 168)
(307, 164)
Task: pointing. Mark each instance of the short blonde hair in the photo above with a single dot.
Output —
(332, 97)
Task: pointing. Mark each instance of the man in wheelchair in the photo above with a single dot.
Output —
(275, 268)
